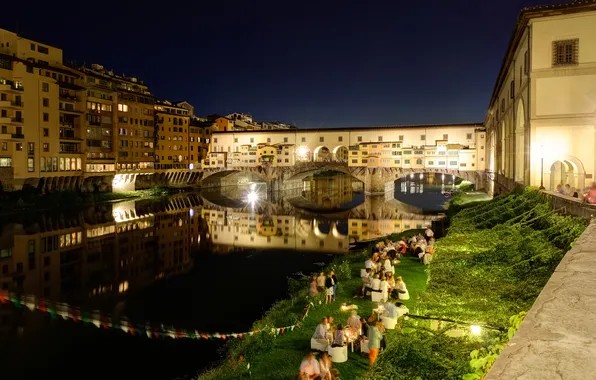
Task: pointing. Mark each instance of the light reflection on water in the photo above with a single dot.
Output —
(104, 256)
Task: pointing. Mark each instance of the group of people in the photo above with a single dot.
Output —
(378, 276)
(324, 284)
(588, 195)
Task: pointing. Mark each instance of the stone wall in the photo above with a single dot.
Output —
(570, 206)
(557, 339)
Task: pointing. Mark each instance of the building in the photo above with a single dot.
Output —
(454, 147)
(541, 126)
(171, 138)
(199, 137)
(41, 116)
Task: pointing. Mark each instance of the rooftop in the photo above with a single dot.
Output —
(314, 130)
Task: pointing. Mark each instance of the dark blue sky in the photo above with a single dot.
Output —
(315, 64)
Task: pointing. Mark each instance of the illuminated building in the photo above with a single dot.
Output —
(172, 124)
(540, 122)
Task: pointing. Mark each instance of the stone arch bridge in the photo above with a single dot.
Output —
(376, 180)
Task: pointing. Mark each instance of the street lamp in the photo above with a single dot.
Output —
(541, 153)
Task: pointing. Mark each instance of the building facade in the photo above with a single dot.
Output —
(455, 147)
(541, 122)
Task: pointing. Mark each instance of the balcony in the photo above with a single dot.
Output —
(11, 86)
(17, 120)
(18, 136)
(68, 97)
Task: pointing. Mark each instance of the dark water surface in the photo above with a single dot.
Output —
(212, 262)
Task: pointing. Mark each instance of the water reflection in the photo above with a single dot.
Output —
(425, 190)
(119, 258)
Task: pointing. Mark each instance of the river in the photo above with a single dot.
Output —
(209, 262)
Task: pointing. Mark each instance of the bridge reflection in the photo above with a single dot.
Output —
(101, 253)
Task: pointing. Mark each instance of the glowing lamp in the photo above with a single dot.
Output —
(476, 330)
(344, 308)
(252, 197)
(302, 151)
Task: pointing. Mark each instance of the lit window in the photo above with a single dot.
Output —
(123, 107)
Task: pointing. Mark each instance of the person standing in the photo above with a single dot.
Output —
(329, 288)
(429, 234)
(374, 341)
(334, 277)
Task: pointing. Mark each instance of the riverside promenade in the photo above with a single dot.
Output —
(557, 339)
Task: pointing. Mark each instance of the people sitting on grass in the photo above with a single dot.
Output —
(390, 282)
(309, 368)
(330, 323)
(339, 339)
(387, 265)
(325, 365)
(376, 283)
(353, 323)
(321, 334)
(401, 288)
(395, 310)
(384, 289)
(428, 233)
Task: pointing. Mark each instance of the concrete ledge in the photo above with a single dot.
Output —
(557, 339)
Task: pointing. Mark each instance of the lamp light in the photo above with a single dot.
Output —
(475, 330)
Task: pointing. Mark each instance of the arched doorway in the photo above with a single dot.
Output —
(322, 154)
(567, 171)
(340, 153)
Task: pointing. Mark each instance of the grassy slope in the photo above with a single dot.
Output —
(283, 361)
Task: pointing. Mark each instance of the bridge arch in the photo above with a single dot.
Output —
(340, 153)
(322, 154)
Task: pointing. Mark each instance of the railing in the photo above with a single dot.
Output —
(18, 136)
(17, 119)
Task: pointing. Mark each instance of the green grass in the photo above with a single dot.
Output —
(283, 360)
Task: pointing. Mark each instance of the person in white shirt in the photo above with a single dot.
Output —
(387, 265)
(321, 282)
(384, 290)
(396, 310)
(321, 330)
(429, 233)
(376, 283)
(368, 264)
(310, 367)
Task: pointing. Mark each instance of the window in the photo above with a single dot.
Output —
(503, 105)
(46, 102)
(468, 136)
(268, 139)
(236, 139)
(453, 163)
(340, 138)
(407, 162)
(46, 132)
(303, 139)
(45, 87)
(566, 52)
(46, 147)
(30, 164)
(321, 139)
(285, 139)
(419, 162)
(43, 49)
(359, 138)
(512, 89)
(422, 137)
(5, 162)
(215, 140)
(445, 136)
(380, 138)
(354, 161)
(46, 116)
(31, 147)
(19, 146)
(252, 140)
(401, 138)
(431, 163)
(123, 107)
(526, 62)
(32, 47)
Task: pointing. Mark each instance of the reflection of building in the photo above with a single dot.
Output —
(541, 113)
(109, 256)
(330, 191)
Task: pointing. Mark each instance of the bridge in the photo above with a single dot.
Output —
(376, 180)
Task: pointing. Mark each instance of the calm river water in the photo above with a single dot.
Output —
(211, 261)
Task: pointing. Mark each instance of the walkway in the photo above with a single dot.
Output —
(557, 340)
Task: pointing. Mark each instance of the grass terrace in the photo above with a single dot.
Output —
(279, 357)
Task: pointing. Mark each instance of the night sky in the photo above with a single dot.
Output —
(314, 64)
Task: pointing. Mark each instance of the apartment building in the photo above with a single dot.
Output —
(172, 124)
